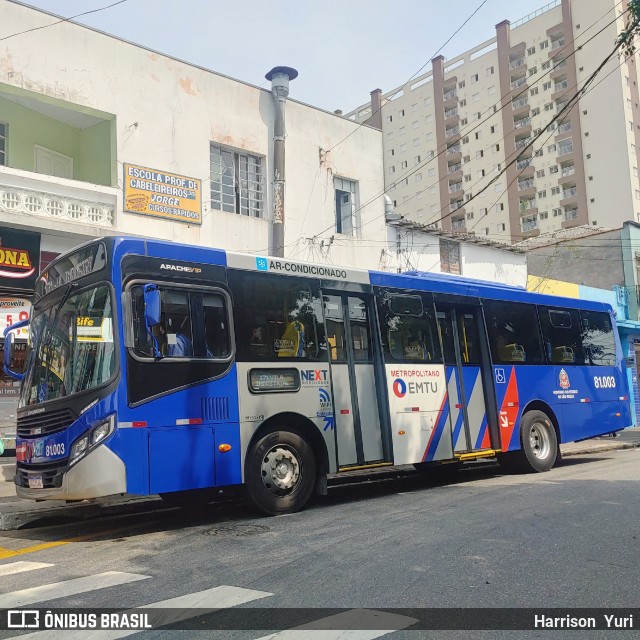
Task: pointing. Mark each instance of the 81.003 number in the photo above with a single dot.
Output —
(604, 382)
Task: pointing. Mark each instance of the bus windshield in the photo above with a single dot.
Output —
(72, 346)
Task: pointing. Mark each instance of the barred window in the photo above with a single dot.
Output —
(237, 182)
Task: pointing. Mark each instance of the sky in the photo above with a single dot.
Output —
(342, 49)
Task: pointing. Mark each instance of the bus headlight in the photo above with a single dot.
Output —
(79, 448)
(88, 442)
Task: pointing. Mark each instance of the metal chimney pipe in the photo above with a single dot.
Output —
(279, 77)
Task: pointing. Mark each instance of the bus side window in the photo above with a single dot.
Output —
(561, 335)
(598, 339)
(216, 331)
(514, 334)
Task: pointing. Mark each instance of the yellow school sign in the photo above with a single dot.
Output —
(162, 195)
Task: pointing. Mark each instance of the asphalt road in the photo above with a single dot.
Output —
(567, 538)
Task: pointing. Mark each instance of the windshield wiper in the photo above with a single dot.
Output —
(70, 287)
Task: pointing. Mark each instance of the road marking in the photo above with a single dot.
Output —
(20, 566)
(333, 627)
(57, 590)
(223, 597)
(10, 553)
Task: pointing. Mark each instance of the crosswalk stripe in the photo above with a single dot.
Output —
(67, 588)
(19, 567)
(222, 597)
(341, 626)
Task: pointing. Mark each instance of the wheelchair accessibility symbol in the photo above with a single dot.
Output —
(501, 378)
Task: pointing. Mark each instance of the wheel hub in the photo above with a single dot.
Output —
(280, 469)
(539, 440)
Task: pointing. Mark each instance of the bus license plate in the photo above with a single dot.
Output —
(35, 482)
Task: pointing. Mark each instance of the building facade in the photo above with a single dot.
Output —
(449, 132)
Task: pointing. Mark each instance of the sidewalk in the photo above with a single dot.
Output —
(15, 512)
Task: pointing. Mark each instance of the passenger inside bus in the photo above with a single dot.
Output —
(174, 345)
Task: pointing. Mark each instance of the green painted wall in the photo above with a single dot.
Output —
(94, 158)
(90, 148)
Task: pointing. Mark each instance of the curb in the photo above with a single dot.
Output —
(597, 448)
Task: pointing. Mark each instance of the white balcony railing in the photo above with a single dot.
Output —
(556, 44)
(523, 122)
(525, 184)
(454, 206)
(564, 149)
(560, 65)
(527, 204)
(518, 83)
(529, 224)
(523, 164)
(449, 94)
(520, 102)
(518, 62)
(449, 113)
(565, 127)
(38, 195)
(454, 167)
(569, 193)
(568, 171)
(458, 225)
(453, 149)
(570, 214)
(456, 186)
(452, 131)
(561, 86)
(523, 142)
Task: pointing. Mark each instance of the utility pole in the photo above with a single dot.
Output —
(279, 77)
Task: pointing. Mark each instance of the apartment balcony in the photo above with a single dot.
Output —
(558, 68)
(451, 113)
(529, 224)
(454, 152)
(516, 63)
(452, 131)
(521, 123)
(523, 142)
(556, 44)
(570, 214)
(561, 86)
(526, 184)
(59, 200)
(449, 95)
(455, 187)
(458, 224)
(568, 196)
(567, 175)
(523, 164)
(454, 168)
(565, 127)
(526, 205)
(520, 102)
(565, 149)
(518, 82)
(454, 206)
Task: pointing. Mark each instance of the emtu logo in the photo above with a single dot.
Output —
(399, 387)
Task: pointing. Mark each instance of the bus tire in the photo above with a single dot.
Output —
(280, 472)
(538, 445)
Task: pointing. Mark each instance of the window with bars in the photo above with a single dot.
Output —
(237, 182)
(3, 143)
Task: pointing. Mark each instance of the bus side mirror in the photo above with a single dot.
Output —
(151, 305)
(152, 314)
(9, 343)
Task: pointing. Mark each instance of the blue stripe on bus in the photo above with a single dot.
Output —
(483, 428)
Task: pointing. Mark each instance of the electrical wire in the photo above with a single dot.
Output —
(46, 26)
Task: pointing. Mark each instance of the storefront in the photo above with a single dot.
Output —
(19, 269)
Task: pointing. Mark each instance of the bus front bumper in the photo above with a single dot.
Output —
(101, 473)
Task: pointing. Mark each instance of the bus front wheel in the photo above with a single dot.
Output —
(538, 442)
(280, 472)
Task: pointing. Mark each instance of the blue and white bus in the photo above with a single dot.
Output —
(156, 368)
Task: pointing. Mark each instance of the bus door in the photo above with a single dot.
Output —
(349, 334)
(466, 377)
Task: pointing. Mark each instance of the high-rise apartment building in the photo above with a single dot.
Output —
(451, 131)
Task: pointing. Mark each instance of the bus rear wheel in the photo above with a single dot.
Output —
(280, 472)
(538, 442)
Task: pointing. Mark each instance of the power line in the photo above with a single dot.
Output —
(46, 26)
(361, 124)
(502, 99)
